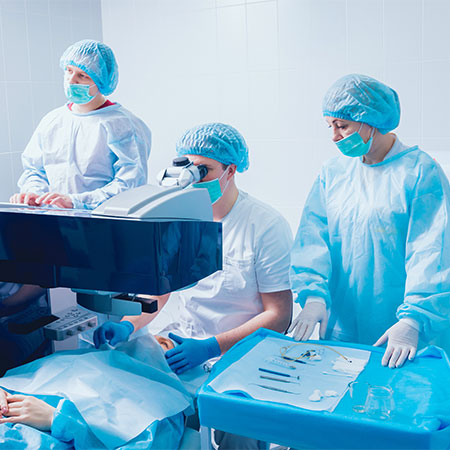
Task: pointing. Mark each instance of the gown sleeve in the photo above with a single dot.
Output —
(311, 266)
(427, 254)
(33, 178)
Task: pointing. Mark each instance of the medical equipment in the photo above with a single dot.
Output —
(358, 394)
(239, 376)
(264, 377)
(279, 362)
(279, 373)
(153, 239)
(379, 403)
(294, 360)
(271, 388)
(78, 93)
(354, 145)
(416, 384)
(337, 374)
(308, 353)
(316, 396)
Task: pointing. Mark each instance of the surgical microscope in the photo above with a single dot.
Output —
(154, 239)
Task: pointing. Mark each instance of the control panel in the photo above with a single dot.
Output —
(71, 321)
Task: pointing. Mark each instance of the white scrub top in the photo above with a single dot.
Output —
(256, 245)
(90, 157)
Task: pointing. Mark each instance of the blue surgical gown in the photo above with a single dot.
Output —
(90, 157)
(374, 243)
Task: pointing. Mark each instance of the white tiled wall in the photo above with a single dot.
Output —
(33, 35)
(263, 66)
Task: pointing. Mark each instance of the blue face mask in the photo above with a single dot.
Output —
(78, 93)
(213, 186)
(354, 145)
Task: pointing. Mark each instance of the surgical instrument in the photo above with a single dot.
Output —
(274, 372)
(338, 374)
(277, 379)
(284, 351)
(270, 388)
(279, 362)
(293, 360)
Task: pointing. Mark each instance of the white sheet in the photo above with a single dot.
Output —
(244, 375)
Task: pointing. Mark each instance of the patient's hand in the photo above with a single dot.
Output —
(29, 411)
(3, 401)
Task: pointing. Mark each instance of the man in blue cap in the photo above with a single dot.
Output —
(252, 289)
(90, 149)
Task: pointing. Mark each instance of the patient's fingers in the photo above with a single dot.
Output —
(14, 419)
(16, 398)
(15, 409)
(3, 402)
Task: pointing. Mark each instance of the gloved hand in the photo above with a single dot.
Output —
(113, 333)
(402, 343)
(191, 352)
(303, 325)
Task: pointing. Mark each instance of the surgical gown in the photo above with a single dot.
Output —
(90, 157)
(374, 243)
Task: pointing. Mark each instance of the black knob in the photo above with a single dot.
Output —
(181, 161)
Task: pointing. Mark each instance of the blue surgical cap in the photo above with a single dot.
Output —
(97, 60)
(217, 141)
(363, 99)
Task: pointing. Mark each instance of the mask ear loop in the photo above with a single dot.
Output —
(226, 185)
(372, 133)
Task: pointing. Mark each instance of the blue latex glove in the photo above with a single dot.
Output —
(191, 352)
(113, 333)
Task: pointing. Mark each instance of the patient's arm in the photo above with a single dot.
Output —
(144, 319)
(30, 411)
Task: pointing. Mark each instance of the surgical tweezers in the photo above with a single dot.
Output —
(264, 386)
